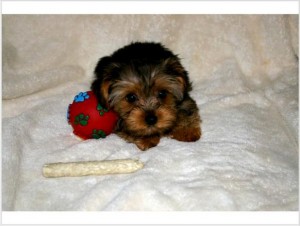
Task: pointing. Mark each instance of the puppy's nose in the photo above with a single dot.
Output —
(151, 119)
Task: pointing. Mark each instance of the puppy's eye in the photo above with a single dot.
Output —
(131, 97)
(162, 94)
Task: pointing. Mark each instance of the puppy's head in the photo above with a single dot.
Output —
(143, 83)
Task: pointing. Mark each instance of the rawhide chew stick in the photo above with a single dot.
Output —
(79, 169)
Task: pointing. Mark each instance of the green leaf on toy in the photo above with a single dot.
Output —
(98, 134)
(81, 119)
(101, 109)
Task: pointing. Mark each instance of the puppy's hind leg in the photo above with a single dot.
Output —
(188, 122)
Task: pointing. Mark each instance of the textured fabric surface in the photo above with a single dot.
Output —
(244, 70)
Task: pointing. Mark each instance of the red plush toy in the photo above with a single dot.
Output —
(89, 119)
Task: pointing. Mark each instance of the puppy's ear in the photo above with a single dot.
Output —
(172, 66)
(104, 73)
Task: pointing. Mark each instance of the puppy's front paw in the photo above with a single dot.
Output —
(146, 143)
(186, 134)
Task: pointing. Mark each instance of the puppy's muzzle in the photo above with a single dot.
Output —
(150, 119)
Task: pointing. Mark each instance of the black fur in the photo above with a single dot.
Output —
(143, 57)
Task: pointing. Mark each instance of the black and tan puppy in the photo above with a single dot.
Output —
(148, 87)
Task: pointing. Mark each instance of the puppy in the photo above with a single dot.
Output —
(148, 87)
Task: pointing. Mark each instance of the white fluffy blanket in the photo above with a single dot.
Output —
(244, 70)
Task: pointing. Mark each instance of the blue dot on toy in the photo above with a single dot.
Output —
(81, 97)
